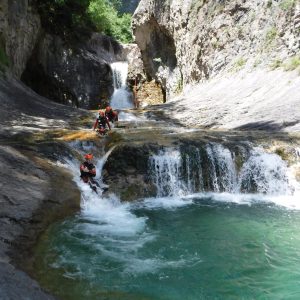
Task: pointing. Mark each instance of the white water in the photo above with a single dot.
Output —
(166, 173)
(118, 231)
(117, 222)
(266, 173)
(116, 217)
(122, 97)
(130, 117)
(274, 180)
(222, 161)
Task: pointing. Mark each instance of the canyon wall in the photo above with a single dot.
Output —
(73, 72)
(185, 42)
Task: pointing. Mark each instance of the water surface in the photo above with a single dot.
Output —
(197, 247)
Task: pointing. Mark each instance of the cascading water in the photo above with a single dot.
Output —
(166, 173)
(182, 244)
(122, 97)
(265, 173)
(222, 167)
(214, 169)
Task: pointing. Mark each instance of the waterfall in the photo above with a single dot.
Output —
(222, 168)
(264, 173)
(215, 168)
(166, 172)
(122, 97)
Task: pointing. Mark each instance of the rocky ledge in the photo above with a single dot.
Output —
(33, 188)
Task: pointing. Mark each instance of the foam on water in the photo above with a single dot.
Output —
(116, 217)
(268, 172)
(164, 202)
(184, 238)
(129, 117)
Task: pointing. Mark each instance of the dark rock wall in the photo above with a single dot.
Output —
(77, 75)
(19, 30)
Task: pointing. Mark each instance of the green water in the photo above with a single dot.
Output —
(200, 249)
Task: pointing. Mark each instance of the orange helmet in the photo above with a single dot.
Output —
(108, 109)
(88, 156)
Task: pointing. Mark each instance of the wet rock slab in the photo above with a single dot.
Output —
(32, 188)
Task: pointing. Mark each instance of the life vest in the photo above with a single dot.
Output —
(102, 121)
(110, 115)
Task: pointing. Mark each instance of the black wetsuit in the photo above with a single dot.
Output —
(111, 116)
(102, 122)
(86, 175)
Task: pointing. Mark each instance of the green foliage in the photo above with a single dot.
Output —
(277, 63)
(292, 64)
(106, 19)
(271, 35)
(238, 65)
(287, 4)
(270, 39)
(75, 18)
(240, 62)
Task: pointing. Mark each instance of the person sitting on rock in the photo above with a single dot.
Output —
(87, 169)
(101, 123)
(111, 115)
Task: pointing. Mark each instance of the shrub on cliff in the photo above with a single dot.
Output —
(77, 18)
(107, 19)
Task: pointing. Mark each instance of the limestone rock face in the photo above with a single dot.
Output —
(185, 42)
(19, 29)
(129, 6)
(132, 54)
(78, 75)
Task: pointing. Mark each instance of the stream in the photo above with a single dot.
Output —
(223, 224)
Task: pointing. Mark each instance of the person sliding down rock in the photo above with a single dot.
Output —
(88, 172)
(111, 115)
(101, 123)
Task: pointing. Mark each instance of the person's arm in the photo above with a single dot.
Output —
(93, 172)
(83, 169)
(96, 124)
(107, 122)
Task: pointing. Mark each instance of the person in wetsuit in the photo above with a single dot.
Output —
(88, 172)
(101, 123)
(87, 168)
(111, 115)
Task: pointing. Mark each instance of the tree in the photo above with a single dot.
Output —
(74, 18)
